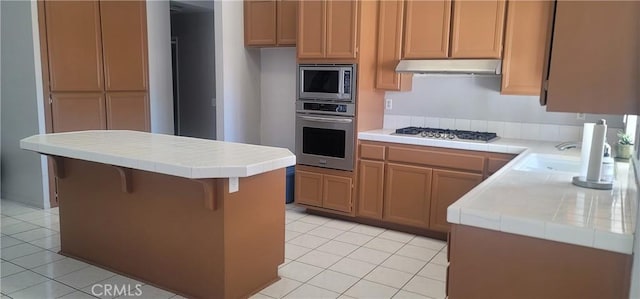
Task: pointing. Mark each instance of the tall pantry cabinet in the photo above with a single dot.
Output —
(94, 67)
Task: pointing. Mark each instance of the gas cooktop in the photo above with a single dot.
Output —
(447, 134)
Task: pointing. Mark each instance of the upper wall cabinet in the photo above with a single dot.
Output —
(270, 23)
(524, 46)
(74, 45)
(327, 29)
(390, 46)
(427, 29)
(124, 40)
(477, 29)
(593, 58)
(469, 29)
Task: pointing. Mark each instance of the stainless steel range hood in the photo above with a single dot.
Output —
(451, 66)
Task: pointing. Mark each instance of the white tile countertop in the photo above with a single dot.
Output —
(187, 157)
(540, 204)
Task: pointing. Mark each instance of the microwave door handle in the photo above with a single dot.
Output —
(327, 120)
(341, 84)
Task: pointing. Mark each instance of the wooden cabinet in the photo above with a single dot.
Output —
(270, 23)
(495, 161)
(390, 27)
(492, 264)
(594, 66)
(407, 195)
(324, 188)
(327, 29)
(524, 46)
(471, 29)
(341, 21)
(446, 187)
(78, 111)
(287, 22)
(124, 42)
(336, 193)
(74, 45)
(308, 188)
(477, 29)
(414, 185)
(370, 189)
(97, 64)
(427, 29)
(128, 111)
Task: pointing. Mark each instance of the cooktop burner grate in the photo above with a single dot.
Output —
(447, 134)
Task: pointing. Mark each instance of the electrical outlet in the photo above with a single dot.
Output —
(388, 104)
(580, 116)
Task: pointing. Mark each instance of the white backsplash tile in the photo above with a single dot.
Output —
(431, 122)
(417, 121)
(569, 133)
(512, 130)
(496, 127)
(447, 123)
(549, 132)
(463, 124)
(530, 131)
(478, 125)
(403, 121)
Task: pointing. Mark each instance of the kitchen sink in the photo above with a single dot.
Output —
(549, 164)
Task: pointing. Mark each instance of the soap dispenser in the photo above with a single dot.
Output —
(607, 169)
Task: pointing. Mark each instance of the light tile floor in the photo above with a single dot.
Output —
(324, 258)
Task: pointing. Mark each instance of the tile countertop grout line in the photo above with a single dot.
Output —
(469, 209)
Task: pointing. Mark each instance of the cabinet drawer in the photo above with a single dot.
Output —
(436, 158)
(497, 161)
(372, 151)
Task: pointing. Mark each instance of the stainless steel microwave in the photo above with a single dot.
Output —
(336, 82)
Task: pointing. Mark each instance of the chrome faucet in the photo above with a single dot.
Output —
(567, 145)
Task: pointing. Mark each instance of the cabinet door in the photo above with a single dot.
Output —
(128, 111)
(311, 29)
(427, 29)
(259, 23)
(407, 195)
(124, 43)
(594, 62)
(308, 188)
(77, 111)
(524, 46)
(287, 22)
(342, 20)
(477, 29)
(447, 187)
(370, 189)
(74, 45)
(336, 193)
(390, 30)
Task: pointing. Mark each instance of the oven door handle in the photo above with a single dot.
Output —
(328, 120)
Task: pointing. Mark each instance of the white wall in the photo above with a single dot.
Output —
(238, 77)
(160, 84)
(22, 171)
(278, 96)
(478, 98)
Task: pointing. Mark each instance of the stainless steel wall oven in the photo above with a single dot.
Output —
(325, 124)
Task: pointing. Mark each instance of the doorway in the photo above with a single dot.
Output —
(193, 68)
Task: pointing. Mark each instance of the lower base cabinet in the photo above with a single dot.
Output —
(492, 264)
(324, 188)
(446, 187)
(407, 195)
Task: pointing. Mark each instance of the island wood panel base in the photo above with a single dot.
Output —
(492, 264)
(163, 234)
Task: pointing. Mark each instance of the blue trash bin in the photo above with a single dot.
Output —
(291, 170)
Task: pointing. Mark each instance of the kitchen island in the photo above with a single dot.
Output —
(200, 218)
(527, 232)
